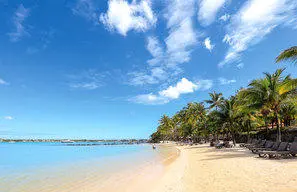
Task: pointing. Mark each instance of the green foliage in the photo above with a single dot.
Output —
(268, 100)
(288, 54)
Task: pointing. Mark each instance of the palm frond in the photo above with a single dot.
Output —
(288, 54)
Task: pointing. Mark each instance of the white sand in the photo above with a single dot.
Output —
(201, 168)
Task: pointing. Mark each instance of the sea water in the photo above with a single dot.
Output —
(48, 166)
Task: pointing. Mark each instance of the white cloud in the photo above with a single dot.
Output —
(87, 80)
(225, 17)
(208, 10)
(88, 86)
(182, 37)
(207, 44)
(155, 49)
(123, 16)
(150, 99)
(224, 81)
(2, 82)
(179, 42)
(18, 20)
(8, 118)
(204, 84)
(142, 78)
(87, 10)
(253, 22)
(184, 86)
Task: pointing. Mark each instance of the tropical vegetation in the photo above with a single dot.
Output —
(266, 103)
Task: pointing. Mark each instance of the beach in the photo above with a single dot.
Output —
(202, 168)
(177, 169)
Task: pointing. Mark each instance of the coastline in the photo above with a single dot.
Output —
(184, 169)
(202, 168)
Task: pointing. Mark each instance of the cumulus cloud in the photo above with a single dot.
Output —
(18, 19)
(87, 10)
(224, 81)
(176, 48)
(255, 20)
(184, 86)
(123, 16)
(208, 10)
(207, 44)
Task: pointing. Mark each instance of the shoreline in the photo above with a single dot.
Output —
(204, 168)
(185, 169)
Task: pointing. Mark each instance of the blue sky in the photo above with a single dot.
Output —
(110, 69)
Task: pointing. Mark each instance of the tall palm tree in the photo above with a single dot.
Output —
(215, 100)
(228, 114)
(270, 93)
(288, 54)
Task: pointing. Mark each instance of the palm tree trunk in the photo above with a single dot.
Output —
(279, 136)
(233, 138)
(266, 125)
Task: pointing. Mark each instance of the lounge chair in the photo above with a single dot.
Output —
(283, 146)
(268, 146)
(254, 142)
(261, 144)
(286, 153)
(273, 148)
(248, 142)
(224, 144)
(219, 145)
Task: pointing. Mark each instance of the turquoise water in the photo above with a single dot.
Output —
(53, 167)
(18, 156)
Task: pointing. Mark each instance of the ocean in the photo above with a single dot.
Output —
(29, 167)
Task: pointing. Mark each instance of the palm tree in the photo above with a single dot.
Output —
(270, 93)
(288, 54)
(166, 126)
(215, 100)
(291, 55)
(228, 114)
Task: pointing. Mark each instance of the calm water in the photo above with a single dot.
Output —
(34, 162)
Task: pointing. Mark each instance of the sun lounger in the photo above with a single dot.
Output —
(287, 153)
(282, 148)
(273, 148)
(268, 145)
(247, 143)
(254, 142)
(258, 145)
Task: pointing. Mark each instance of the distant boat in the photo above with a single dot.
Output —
(67, 141)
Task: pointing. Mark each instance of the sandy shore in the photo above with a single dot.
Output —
(201, 168)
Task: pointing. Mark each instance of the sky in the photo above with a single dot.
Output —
(105, 69)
